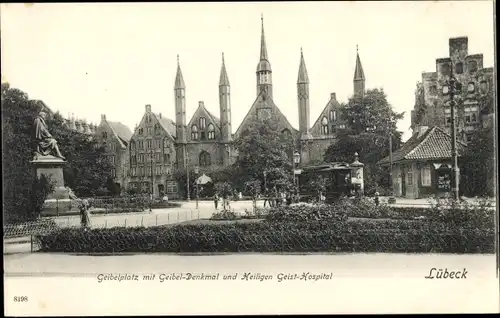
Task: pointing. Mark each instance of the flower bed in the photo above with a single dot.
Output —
(384, 236)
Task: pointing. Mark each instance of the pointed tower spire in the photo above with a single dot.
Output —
(359, 77)
(179, 80)
(224, 79)
(302, 78)
(263, 48)
(358, 72)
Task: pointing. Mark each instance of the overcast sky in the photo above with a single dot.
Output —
(93, 59)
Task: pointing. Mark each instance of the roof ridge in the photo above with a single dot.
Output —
(427, 134)
(321, 113)
(164, 128)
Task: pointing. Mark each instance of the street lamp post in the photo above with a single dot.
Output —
(391, 200)
(265, 180)
(454, 88)
(152, 181)
(296, 161)
(187, 176)
(196, 171)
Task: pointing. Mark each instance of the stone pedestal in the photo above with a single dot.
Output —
(58, 202)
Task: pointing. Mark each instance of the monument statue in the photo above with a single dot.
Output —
(45, 143)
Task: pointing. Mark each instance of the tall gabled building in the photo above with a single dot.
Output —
(115, 138)
(475, 103)
(206, 140)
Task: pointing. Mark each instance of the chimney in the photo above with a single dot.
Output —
(201, 103)
(148, 108)
(160, 115)
(420, 130)
(333, 96)
(103, 117)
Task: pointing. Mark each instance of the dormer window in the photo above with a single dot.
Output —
(194, 132)
(211, 132)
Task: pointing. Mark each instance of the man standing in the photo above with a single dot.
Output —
(46, 144)
(216, 200)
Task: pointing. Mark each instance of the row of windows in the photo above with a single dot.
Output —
(198, 134)
(471, 115)
(146, 171)
(149, 144)
(327, 123)
(459, 68)
(171, 186)
(471, 88)
(141, 158)
(205, 159)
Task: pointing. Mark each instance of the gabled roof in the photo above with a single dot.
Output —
(332, 102)
(433, 144)
(122, 132)
(167, 124)
(271, 104)
(202, 109)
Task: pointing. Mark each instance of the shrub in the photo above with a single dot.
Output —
(306, 212)
(224, 215)
(382, 236)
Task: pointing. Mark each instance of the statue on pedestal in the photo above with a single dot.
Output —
(45, 143)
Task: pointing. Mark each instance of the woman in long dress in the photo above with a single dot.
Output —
(85, 214)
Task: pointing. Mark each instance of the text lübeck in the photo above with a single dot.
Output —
(440, 273)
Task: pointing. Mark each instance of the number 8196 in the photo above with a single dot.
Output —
(20, 299)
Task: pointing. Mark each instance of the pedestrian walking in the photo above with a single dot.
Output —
(377, 198)
(216, 200)
(84, 208)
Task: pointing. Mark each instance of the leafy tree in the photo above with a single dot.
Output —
(478, 175)
(86, 169)
(371, 113)
(262, 148)
(42, 188)
(370, 123)
(18, 113)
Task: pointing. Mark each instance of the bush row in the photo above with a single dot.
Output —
(400, 236)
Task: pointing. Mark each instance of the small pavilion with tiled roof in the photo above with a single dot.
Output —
(422, 166)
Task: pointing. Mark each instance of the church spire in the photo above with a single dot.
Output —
(358, 72)
(224, 79)
(302, 78)
(263, 48)
(359, 77)
(264, 64)
(179, 80)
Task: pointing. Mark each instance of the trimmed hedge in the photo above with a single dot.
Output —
(399, 236)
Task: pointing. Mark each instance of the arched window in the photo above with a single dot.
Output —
(286, 133)
(459, 68)
(165, 143)
(324, 126)
(333, 115)
(203, 122)
(211, 132)
(205, 159)
(132, 145)
(194, 132)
